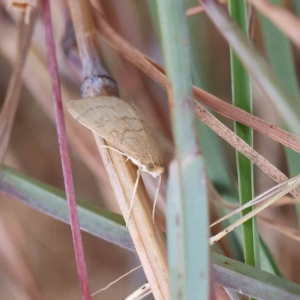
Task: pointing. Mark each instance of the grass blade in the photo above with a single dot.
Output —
(242, 98)
(52, 202)
(268, 198)
(253, 282)
(286, 21)
(12, 96)
(281, 58)
(190, 223)
(255, 64)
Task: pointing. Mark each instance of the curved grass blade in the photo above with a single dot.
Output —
(268, 197)
(51, 201)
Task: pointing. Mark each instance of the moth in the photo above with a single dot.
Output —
(122, 125)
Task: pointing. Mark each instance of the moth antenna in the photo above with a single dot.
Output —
(138, 174)
(156, 197)
(115, 281)
(105, 146)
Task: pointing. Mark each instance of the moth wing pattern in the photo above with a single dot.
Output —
(150, 138)
(119, 123)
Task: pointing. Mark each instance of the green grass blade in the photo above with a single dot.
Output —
(253, 282)
(242, 98)
(111, 227)
(210, 143)
(297, 6)
(281, 58)
(51, 201)
(173, 210)
(267, 260)
(191, 223)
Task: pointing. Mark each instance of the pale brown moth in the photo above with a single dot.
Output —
(122, 125)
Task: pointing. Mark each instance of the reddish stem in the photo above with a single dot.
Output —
(63, 148)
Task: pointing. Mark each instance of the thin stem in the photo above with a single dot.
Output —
(63, 148)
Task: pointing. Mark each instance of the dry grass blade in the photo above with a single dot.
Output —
(243, 147)
(285, 138)
(275, 194)
(14, 259)
(198, 9)
(156, 72)
(13, 93)
(274, 191)
(194, 10)
(285, 200)
(286, 21)
(219, 201)
(290, 232)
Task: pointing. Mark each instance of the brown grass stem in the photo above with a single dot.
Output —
(86, 37)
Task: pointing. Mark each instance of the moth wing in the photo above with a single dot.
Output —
(151, 143)
(118, 123)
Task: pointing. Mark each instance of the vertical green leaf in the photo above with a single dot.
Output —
(188, 216)
(242, 98)
(210, 143)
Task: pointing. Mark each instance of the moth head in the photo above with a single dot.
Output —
(154, 170)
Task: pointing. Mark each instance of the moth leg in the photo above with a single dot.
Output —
(138, 175)
(156, 196)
